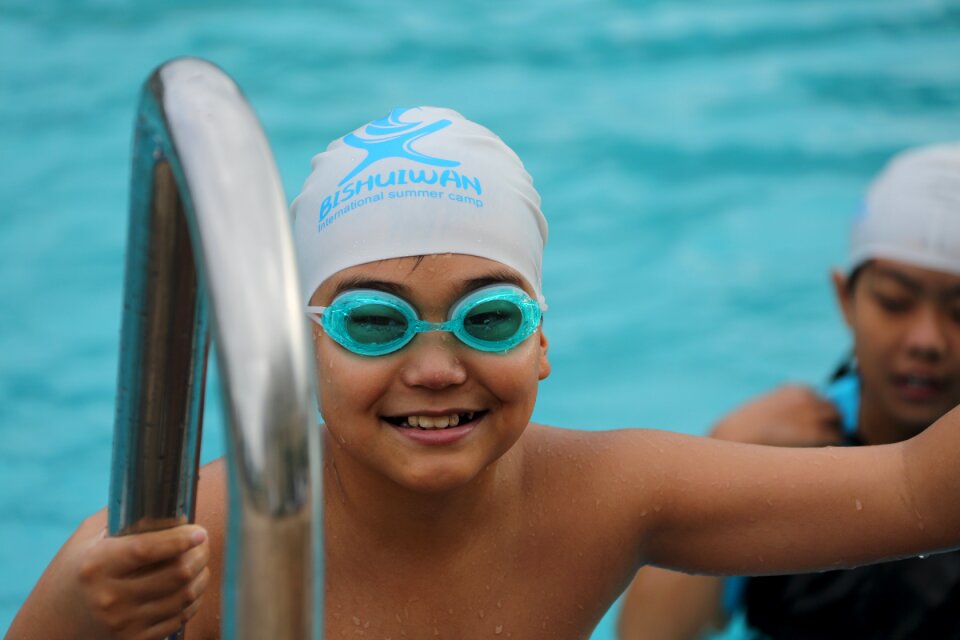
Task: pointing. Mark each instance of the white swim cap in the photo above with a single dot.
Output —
(417, 182)
(912, 211)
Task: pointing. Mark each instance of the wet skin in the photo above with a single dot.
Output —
(455, 537)
(451, 528)
(364, 398)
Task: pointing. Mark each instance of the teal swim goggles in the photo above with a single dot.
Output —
(374, 323)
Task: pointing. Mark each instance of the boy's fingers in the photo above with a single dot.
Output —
(128, 554)
(170, 625)
(171, 576)
(178, 606)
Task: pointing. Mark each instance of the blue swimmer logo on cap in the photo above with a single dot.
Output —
(430, 181)
(391, 137)
(391, 140)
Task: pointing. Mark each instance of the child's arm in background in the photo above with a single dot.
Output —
(708, 506)
(669, 605)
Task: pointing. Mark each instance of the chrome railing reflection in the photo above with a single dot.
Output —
(209, 230)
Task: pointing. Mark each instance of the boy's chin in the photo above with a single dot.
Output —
(439, 479)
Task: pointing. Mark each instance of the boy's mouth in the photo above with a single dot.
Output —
(427, 423)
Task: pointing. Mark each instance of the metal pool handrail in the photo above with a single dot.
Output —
(209, 224)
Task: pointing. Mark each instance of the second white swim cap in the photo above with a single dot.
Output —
(418, 182)
(912, 211)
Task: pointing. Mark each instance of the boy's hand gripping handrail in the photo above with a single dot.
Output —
(209, 221)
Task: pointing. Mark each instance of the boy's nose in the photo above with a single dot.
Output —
(433, 362)
(926, 337)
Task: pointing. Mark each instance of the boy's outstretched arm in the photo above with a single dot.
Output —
(707, 506)
(669, 605)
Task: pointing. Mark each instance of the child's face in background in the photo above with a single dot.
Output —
(906, 327)
(367, 401)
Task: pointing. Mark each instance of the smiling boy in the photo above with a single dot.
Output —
(447, 513)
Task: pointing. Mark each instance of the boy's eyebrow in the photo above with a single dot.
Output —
(359, 282)
(495, 276)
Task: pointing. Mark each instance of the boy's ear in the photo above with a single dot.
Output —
(844, 296)
(544, 362)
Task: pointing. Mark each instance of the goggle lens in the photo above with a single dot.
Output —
(493, 321)
(375, 324)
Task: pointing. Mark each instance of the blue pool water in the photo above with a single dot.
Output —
(698, 162)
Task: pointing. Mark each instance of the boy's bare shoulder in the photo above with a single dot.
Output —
(595, 495)
(595, 450)
(599, 466)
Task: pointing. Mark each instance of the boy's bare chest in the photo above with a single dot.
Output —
(459, 612)
(530, 591)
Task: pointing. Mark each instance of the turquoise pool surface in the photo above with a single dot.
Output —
(699, 164)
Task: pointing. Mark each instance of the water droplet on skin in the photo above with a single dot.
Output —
(499, 629)
(499, 604)
(859, 505)
(481, 614)
(356, 621)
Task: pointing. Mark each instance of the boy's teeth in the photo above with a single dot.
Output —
(437, 422)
